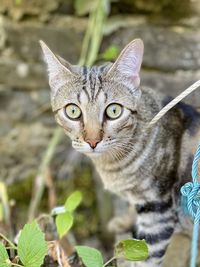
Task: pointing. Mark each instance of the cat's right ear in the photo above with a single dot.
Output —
(59, 70)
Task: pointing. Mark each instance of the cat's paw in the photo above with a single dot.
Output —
(120, 224)
(124, 223)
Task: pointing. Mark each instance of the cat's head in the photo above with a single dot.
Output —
(97, 107)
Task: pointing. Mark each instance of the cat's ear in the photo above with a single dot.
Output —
(128, 64)
(59, 70)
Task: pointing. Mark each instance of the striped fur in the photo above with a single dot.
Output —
(146, 167)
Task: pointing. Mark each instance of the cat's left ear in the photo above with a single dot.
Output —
(128, 64)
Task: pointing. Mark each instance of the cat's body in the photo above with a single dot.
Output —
(106, 114)
(152, 174)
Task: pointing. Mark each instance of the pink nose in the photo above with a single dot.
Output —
(92, 142)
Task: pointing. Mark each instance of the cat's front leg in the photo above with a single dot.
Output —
(123, 223)
(155, 224)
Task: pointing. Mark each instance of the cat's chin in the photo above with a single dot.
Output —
(93, 154)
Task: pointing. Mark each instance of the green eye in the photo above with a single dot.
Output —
(113, 111)
(73, 111)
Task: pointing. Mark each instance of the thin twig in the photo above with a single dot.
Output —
(41, 176)
(112, 259)
(97, 34)
(8, 241)
(86, 41)
(15, 264)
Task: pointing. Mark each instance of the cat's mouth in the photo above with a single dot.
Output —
(85, 148)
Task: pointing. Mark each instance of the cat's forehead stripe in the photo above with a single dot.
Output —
(92, 81)
(100, 87)
(84, 87)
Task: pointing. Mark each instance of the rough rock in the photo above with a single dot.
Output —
(63, 36)
(17, 10)
(27, 125)
(166, 48)
(171, 9)
(172, 84)
(22, 74)
(165, 67)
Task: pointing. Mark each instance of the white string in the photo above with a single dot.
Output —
(171, 104)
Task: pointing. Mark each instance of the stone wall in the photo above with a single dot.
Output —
(171, 63)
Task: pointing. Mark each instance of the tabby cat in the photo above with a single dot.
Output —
(105, 112)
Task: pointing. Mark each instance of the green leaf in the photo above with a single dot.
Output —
(32, 246)
(73, 201)
(64, 222)
(91, 257)
(132, 250)
(110, 53)
(4, 259)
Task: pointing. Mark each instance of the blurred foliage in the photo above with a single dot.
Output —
(110, 53)
(84, 7)
(86, 212)
(18, 2)
(170, 9)
(22, 199)
(167, 8)
(1, 212)
(158, 9)
(94, 33)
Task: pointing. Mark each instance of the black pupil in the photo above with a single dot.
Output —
(114, 110)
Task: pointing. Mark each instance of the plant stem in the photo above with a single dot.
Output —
(97, 34)
(41, 175)
(86, 41)
(7, 240)
(15, 264)
(93, 35)
(112, 259)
